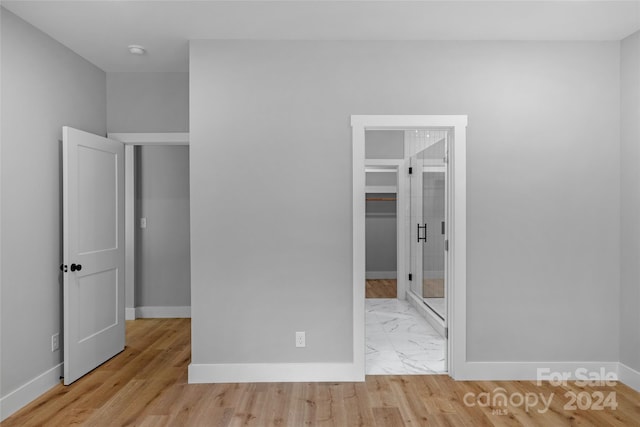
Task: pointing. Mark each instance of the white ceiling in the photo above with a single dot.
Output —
(100, 31)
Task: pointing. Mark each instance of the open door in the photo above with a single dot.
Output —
(93, 240)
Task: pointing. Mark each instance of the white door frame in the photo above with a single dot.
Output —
(457, 304)
(130, 140)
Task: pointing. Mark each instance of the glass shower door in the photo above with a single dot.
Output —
(433, 248)
(428, 188)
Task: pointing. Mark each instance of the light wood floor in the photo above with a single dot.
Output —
(146, 385)
(433, 288)
(381, 288)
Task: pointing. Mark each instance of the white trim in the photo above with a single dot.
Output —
(129, 231)
(380, 169)
(629, 376)
(457, 266)
(383, 162)
(156, 138)
(26, 393)
(380, 122)
(457, 231)
(401, 226)
(381, 275)
(359, 249)
(527, 371)
(273, 372)
(439, 168)
(153, 312)
(130, 140)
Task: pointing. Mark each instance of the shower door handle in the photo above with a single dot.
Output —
(422, 227)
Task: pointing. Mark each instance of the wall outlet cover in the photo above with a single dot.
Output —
(301, 340)
(55, 342)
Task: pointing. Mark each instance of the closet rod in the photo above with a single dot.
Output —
(381, 199)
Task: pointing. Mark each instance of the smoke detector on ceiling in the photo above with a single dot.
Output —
(136, 49)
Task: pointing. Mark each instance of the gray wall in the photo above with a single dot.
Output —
(163, 276)
(384, 144)
(271, 156)
(157, 102)
(630, 202)
(44, 87)
(148, 102)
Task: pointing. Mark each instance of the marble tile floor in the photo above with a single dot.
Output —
(399, 341)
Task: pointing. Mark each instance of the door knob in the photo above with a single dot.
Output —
(76, 267)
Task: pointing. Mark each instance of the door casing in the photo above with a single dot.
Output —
(457, 230)
(130, 140)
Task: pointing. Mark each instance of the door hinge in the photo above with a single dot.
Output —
(446, 332)
(445, 159)
(446, 245)
(410, 277)
(410, 171)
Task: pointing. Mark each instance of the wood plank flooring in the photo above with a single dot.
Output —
(146, 385)
(381, 288)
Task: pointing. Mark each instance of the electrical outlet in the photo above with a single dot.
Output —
(301, 340)
(143, 222)
(55, 342)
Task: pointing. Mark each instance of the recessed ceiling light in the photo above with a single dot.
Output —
(136, 49)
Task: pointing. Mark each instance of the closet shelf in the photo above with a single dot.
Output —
(381, 199)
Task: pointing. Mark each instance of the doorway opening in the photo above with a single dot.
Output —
(157, 252)
(411, 171)
(162, 241)
(402, 335)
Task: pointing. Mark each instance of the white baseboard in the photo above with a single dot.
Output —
(629, 376)
(24, 394)
(381, 275)
(274, 372)
(524, 371)
(163, 312)
(129, 313)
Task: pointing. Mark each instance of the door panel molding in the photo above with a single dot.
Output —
(94, 327)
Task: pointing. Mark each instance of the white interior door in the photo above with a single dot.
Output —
(93, 240)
